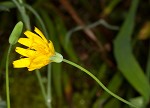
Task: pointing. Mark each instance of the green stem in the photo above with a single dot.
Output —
(23, 13)
(7, 77)
(99, 82)
(41, 84)
(49, 87)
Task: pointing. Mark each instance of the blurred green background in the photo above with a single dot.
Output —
(110, 38)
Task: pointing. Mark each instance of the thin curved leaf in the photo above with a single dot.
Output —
(126, 61)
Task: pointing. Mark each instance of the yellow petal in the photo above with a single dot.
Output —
(41, 34)
(25, 41)
(38, 62)
(27, 33)
(35, 66)
(51, 47)
(41, 59)
(23, 62)
(34, 37)
(25, 52)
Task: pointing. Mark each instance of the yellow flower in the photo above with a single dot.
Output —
(38, 52)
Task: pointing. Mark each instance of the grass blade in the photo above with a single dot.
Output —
(126, 61)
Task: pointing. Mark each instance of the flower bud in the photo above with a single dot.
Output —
(15, 34)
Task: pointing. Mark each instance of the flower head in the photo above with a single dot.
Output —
(38, 52)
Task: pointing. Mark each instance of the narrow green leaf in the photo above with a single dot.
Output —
(113, 102)
(5, 6)
(126, 61)
(138, 101)
(111, 6)
(56, 76)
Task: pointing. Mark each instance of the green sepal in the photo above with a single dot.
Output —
(57, 58)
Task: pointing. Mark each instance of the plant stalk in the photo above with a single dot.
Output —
(7, 77)
(99, 82)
